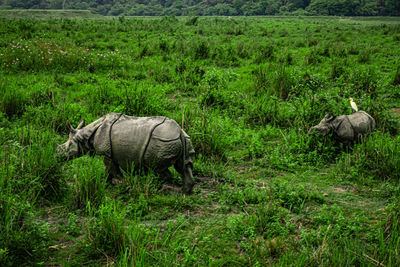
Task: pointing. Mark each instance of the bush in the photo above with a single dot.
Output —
(264, 53)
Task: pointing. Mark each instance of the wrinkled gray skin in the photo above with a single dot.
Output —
(145, 143)
(345, 128)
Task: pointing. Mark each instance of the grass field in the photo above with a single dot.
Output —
(246, 90)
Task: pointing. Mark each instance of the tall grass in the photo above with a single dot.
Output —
(89, 183)
(246, 90)
(377, 157)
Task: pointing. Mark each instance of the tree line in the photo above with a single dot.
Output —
(216, 7)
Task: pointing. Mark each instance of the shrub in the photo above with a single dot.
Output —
(264, 53)
(275, 80)
(283, 82)
(201, 50)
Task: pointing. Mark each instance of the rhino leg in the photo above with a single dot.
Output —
(113, 172)
(186, 173)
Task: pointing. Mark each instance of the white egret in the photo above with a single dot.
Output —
(353, 104)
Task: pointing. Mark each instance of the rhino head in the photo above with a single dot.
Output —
(324, 127)
(72, 148)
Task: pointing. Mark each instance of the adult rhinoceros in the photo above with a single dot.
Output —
(143, 142)
(345, 128)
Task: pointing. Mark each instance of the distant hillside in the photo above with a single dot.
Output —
(216, 7)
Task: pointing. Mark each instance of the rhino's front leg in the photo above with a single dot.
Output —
(187, 176)
(113, 172)
(188, 182)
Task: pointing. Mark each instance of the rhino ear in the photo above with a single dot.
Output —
(328, 117)
(71, 129)
(81, 125)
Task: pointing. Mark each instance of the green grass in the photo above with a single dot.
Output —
(246, 90)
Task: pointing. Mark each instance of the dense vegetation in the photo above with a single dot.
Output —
(217, 7)
(246, 90)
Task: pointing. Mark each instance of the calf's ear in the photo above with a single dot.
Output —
(81, 125)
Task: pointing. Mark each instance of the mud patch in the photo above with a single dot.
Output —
(396, 111)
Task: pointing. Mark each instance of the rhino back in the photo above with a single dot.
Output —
(362, 122)
(130, 137)
(164, 147)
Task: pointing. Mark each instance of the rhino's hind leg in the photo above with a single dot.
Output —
(113, 172)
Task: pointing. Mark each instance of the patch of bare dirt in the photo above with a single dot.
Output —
(339, 189)
(396, 111)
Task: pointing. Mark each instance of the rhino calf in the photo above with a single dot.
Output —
(142, 142)
(345, 128)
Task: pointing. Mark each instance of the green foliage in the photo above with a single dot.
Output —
(267, 221)
(396, 78)
(218, 8)
(89, 183)
(377, 156)
(388, 237)
(35, 171)
(106, 232)
(246, 90)
(293, 198)
(23, 238)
